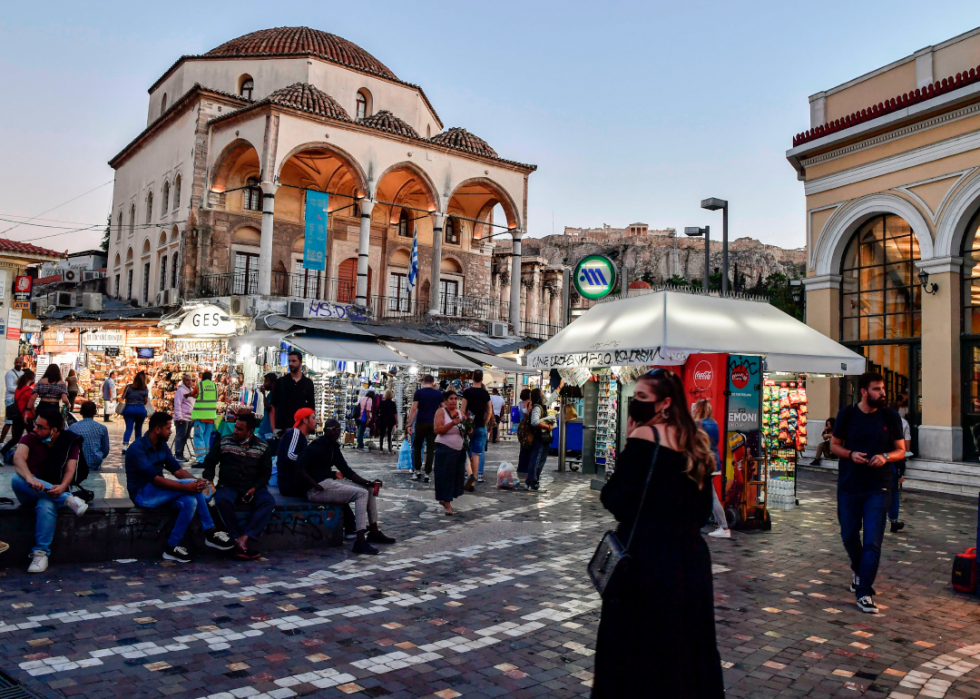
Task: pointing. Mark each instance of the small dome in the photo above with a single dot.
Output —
(309, 99)
(301, 41)
(461, 139)
(386, 121)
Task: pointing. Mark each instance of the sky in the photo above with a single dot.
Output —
(632, 111)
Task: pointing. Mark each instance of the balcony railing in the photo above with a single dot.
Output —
(539, 331)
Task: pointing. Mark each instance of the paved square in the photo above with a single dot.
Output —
(492, 602)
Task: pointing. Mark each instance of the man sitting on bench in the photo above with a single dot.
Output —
(316, 470)
(45, 456)
(244, 464)
(148, 487)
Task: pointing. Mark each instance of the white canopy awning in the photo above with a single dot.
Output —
(667, 326)
(346, 350)
(434, 356)
(507, 366)
(257, 338)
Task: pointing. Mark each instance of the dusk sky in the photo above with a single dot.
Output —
(631, 111)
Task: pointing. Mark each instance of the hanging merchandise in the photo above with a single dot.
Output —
(784, 428)
(605, 442)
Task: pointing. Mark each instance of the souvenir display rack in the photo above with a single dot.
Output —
(784, 418)
(605, 441)
(192, 356)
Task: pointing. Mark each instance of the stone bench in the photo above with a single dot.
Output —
(116, 529)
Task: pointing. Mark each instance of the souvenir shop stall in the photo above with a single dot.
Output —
(738, 353)
(507, 376)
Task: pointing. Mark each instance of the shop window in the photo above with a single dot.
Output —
(173, 280)
(406, 225)
(246, 278)
(451, 231)
(253, 195)
(163, 273)
(177, 193)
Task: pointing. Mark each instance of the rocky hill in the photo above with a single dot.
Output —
(653, 259)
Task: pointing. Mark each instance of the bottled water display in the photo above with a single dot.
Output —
(781, 495)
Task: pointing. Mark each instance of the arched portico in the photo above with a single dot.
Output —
(959, 211)
(238, 158)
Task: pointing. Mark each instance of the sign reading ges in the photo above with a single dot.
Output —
(595, 276)
(206, 321)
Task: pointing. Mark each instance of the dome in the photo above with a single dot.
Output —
(309, 99)
(301, 41)
(386, 121)
(461, 139)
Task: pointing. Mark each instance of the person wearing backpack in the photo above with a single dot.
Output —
(365, 417)
(868, 439)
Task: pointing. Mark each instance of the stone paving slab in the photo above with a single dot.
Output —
(492, 602)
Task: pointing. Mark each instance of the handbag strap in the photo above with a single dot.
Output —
(646, 487)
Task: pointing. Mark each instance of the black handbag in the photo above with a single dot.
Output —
(611, 560)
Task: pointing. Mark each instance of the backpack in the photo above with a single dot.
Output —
(526, 432)
(355, 412)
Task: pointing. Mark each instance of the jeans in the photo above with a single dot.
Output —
(44, 505)
(361, 426)
(341, 492)
(153, 497)
(203, 431)
(895, 499)
(134, 415)
(717, 510)
(425, 435)
(865, 507)
(478, 445)
(184, 429)
(539, 454)
(259, 512)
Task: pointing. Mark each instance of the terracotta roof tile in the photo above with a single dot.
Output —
(307, 98)
(461, 139)
(386, 121)
(26, 249)
(301, 41)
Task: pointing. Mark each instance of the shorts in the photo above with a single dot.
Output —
(478, 440)
(7, 419)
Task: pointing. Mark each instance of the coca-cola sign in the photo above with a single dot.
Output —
(703, 375)
(740, 376)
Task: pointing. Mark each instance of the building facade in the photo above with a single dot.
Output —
(210, 199)
(891, 170)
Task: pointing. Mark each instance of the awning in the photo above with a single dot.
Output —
(499, 363)
(665, 327)
(434, 356)
(257, 338)
(345, 350)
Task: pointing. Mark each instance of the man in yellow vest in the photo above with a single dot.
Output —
(203, 415)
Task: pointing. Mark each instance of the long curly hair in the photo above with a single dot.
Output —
(691, 439)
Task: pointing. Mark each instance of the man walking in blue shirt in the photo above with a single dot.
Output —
(146, 460)
(95, 444)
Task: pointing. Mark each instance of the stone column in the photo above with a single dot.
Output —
(504, 295)
(435, 274)
(265, 243)
(363, 252)
(554, 311)
(941, 432)
(823, 315)
(534, 294)
(515, 283)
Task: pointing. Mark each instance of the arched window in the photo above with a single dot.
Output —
(132, 219)
(428, 130)
(881, 309)
(166, 198)
(248, 85)
(253, 195)
(149, 207)
(163, 273)
(405, 225)
(119, 227)
(177, 193)
(174, 267)
(163, 103)
(451, 231)
(363, 104)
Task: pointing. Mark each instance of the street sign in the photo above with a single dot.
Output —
(595, 276)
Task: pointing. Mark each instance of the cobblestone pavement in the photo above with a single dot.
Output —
(492, 602)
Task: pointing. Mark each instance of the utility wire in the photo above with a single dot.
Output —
(7, 230)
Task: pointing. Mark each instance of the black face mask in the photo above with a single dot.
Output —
(643, 411)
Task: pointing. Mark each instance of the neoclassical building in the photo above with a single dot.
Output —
(891, 170)
(210, 198)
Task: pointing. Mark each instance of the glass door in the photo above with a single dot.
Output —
(901, 366)
(971, 399)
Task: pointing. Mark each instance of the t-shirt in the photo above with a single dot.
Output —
(38, 452)
(429, 400)
(871, 433)
(288, 396)
(476, 403)
(498, 403)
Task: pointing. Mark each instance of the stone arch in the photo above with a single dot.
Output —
(429, 189)
(956, 216)
(246, 234)
(233, 155)
(162, 242)
(129, 255)
(359, 177)
(511, 210)
(450, 265)
(299, 245)
(400, 257)
(117, 261)
(837, 233)
(174, 234)
(146, 247)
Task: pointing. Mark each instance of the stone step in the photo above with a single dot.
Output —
(955, 477)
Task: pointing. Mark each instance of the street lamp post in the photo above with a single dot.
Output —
(695, 232)
(713, 204)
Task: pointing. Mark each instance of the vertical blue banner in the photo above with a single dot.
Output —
(315, 245)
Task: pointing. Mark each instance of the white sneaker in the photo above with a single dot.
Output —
(721, 533)
(39, 562)
(76, 505)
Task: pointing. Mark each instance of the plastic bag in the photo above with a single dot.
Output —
(405, 454)
(506, 476)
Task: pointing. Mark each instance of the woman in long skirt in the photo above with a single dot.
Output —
(450, 461)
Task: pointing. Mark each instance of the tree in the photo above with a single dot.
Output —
(104, 246)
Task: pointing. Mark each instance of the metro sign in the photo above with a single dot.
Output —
(595, 276)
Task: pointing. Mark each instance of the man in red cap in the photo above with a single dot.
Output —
(291, 447)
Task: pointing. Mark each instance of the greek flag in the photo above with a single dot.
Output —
(413, 265)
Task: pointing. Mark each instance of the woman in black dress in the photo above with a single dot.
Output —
(657, 631)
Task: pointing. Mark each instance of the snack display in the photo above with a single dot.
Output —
(784, 418)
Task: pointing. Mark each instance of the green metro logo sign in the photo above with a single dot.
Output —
(595, 276)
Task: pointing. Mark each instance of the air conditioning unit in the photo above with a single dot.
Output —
(69, 275)
(160, 298)
(92, 301)
(62, 299)
(296, 309)
(242, 306)
(498, 329)
(89, 275)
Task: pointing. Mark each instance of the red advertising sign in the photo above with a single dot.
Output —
(706, 376)
(22, 286)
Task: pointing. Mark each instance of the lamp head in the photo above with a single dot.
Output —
(713, 204)
(693, 231)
